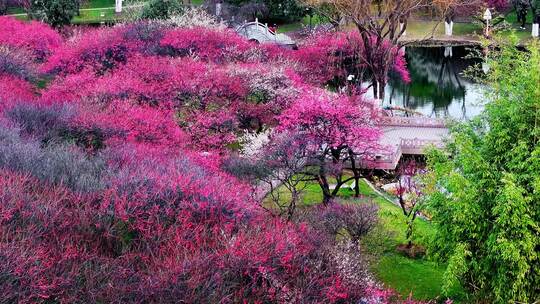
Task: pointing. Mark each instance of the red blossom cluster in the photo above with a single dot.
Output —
(206, 44)
(332, 120)
(111, 185)
(13, 90)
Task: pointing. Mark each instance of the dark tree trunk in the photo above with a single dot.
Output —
(356, 174)
(323, 181)
(292, 206)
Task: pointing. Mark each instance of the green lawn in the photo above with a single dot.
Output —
(305, 22)
(99, 3)
(94, 16)
(420, 277)
(15, 10)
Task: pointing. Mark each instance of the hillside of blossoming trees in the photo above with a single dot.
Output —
(112, 144)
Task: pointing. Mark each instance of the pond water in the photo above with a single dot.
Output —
(438, 87)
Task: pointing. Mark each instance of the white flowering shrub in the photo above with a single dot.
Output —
(269, 85)
(194, 17)
(252, 143)
(351, 264)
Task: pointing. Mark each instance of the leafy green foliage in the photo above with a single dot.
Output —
(161, 9)
(278, 10)
(484, 198)
(54, 12)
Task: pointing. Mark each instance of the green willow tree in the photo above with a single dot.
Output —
(485, 197)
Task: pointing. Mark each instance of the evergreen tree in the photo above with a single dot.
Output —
(277, 10)
(161, 9)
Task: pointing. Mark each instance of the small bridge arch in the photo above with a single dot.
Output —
(261, 33)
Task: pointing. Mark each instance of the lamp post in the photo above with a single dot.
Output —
(487, 18)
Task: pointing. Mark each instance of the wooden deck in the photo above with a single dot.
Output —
(406, 136)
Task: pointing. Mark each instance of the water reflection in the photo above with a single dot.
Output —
(438, 87)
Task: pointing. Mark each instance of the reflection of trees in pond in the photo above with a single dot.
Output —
(437, 80)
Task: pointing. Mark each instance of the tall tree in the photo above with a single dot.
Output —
(484, 199)
(337, 131)
(381, 24)
(409, 195)
(57, 13)
(161, 9)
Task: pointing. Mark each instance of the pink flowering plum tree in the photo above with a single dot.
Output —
(331, 57)
(337, 130)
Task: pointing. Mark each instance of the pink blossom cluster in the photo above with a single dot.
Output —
(36, 37)
(335, 56)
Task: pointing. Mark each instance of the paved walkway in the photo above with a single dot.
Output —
(89, 9)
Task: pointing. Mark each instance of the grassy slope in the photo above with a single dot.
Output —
(420, 277)
(94, 16)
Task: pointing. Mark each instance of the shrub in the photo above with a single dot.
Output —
(16, 64)
(57, 164)
(274, 263)
(59, 124)
(34, 120)
(205, 44)
(149, 34)
(13, 90)
(100, 50)
(355, 219)
(194, 18)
